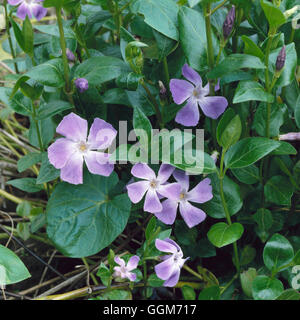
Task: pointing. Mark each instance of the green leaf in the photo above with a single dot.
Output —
(12, 269)
(234, 62)
(53, 108)
(154, 281)
(192, 34)
(297, 112)
(26, 184)
(164, 44)
(104, 274)
(247, 255)
(247, 175)
(129, 80)
(284, 148)
(188, 293)
(289, 294)
(28, 36)
(150, 229)
(49, 73)
(273, 14)
(210, 293)
(263, 218)
(29, 160)
(278, 252)
(251, 90)
(23, 230)
(265, 288)
(221, 234)
(279, 190)
(214, 207)
(142, 127)
(18, 103)
(84, 219)
(160, 15)
(18, 34)
(276, 119)
(100, 69)
(249, 150)
(247, 278)
(47, 171)
(252, 48)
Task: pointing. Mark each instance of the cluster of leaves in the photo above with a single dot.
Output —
(124, 48)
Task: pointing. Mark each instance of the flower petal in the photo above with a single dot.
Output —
(190, 214)
(72, 172)
(101, 134)
(97, 163)
(170, 190)
(168, 212)
(191, 75)
(38, 11)
(182, 178)
(119, 261)
(60, 151)
(165, 172)
(143, 171)
(202, 192)
(133, 263)
(173, 279)
(131, 276)
(189, 115)
(166, 246)
(14, 2)
(181, 90)
(213, 107)
(137, 190)
(23, 11)
(165, 269)
(152, 203)
(73, 127)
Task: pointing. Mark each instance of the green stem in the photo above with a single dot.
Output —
(191, 271)
(166, 71)
(90, 273)
(12, 51)
(218, 6)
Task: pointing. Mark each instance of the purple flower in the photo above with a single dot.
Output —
(169, 269)
(69, 153)
(190, 214)
(291, 136)
(196, 95)
(123, 271)
(29, 8)
(81, 84)
(70, 55)
(229, 22)
(280, 61)
(152, 186)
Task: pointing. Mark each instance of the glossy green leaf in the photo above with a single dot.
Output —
(26, 184)
(53, 108)
(274, 15)
(252, 48)
(188, 293)
(251, 90)
(247, 175)
(249, 150)
(247, 278)
(297, 112)
(29, 160)
(289, 294)
(210, 293)
(221, 234)
(263, 217)
(279, 190)
(28, 36)
(84, 219)
(47, 171)
(265, 288)
(284, 148)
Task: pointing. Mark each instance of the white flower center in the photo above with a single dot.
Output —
(178, 261)
(83, 147)
(28, 1)
(198, 92)
(154, 184)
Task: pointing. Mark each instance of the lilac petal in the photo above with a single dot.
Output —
(166, 246)
(202, 192)
(60, 152)
(101, 134)
(23, 11)
(164, 269)
(181, 90)
(213, 107)
(173, 243)
(165, 172)
(14, 2)
(143, 171)
(173, 279)
(72, 172)
(168, 213)
(182, 178)
(206, 88)
(133, 263)
(189, 115)
(190, 214)
(131, 276)
(137, 190)
(119, 261)
(152, 203)
(38, 11)
(96, 163)
(191, 75)
(170, 190)
(73, 127)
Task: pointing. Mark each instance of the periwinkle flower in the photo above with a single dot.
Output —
(291, 136)
(229, 22)
(70, 55)
(124, 271)
(169, 269)
(195, 95)
(280, 61)
(192, 215)
(29, 8)
(69, 153)
(153, 186)
(81, 84)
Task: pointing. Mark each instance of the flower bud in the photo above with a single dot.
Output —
(162, 90)
(215, 155)
(281, 59)
(291, 136)
(70, 55)
(229, 22)
(81, 84)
